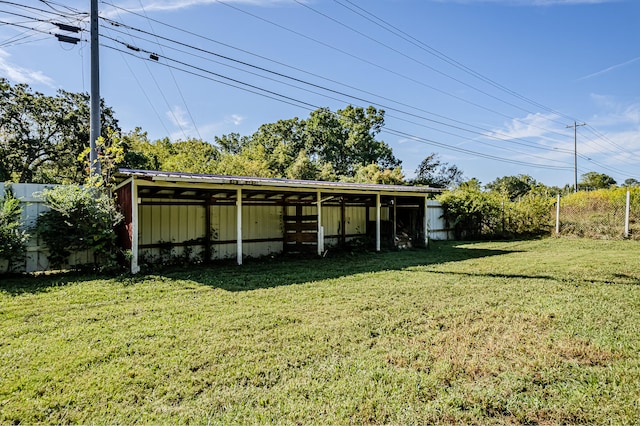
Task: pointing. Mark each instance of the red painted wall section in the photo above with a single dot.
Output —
(125, 230)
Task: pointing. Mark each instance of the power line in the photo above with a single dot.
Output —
(373, 39)
(170, 111)
(289, 101)
(483, 132)
(61, 37)
(184, 102)
(296, 102)
(277, 96)
(438, 54)
(47, 12)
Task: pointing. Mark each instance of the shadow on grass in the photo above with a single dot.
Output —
(283, 271)
(269, 272)
(622, 279)
(16, 284)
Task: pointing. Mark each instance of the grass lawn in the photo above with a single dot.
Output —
(544, 331)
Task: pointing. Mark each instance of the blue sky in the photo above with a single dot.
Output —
(490, 85)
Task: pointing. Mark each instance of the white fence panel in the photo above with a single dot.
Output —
(437, 226)
(32, 206)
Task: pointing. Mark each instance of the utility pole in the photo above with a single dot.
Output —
(94, 133)
(575, 154)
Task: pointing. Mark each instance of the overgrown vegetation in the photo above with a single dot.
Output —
(13, 238)
(477, 214)
(81, 218)
(535, 332)
(599, 214)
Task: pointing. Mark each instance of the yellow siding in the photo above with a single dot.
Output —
(182, 223)
(356, 220)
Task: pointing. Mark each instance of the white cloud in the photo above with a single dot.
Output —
(614, 113)
(540, 126)
(170, 5)
(18, 74)
(178, 117)
(235, 119)
(530, 2)
(609, 69)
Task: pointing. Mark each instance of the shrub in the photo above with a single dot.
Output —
(81, 218)
(13, 240)
(529, 216)
(471, 212)
(476, 214)
(600, 213)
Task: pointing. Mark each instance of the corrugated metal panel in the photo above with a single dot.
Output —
(271, 182)
(170, 223)
(356, 220)
(331, 219)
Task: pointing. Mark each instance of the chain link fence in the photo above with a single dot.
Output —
(611, 214)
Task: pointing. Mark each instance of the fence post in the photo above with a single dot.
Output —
(558, 215)
(627, 214)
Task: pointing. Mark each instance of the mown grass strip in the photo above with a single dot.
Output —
(543, 331)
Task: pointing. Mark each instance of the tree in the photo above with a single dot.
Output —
(325, 146)
(631, 182)
(595, 180)
(231, 143)
(281, 142)
(347, 139)
(13, 239)
(513, 187)
(434, 173)
(249, 162)
(193, 156)
(42, 136)
(80, 218)
(374, 173)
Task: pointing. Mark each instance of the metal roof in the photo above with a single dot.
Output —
(282, 184)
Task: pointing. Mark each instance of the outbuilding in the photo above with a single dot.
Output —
(234, 217)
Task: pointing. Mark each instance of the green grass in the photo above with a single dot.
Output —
(544, 331)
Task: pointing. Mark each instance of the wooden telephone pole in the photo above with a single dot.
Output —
(94, 132)
(575, 154)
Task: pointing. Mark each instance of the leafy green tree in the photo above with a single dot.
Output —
(595, 180)
(281, 143)
(631, 182)
(139, 152)
(253, 162)
(304, 168)
(194, 155)
(42, 136)
(347, 139)
(374, 173)
(325, 146)
(231, 143)
(434, 173)
(80, 218)
(513, 187)
(13, 239)
(472, 212)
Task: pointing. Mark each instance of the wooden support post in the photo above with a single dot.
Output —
(558, 215)
(320, 229)
(343, 221)
(378, 208)
(627, 214)
(426, 222)
(239, 225)
(394, 231)
(207, 231)
(135, 267)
